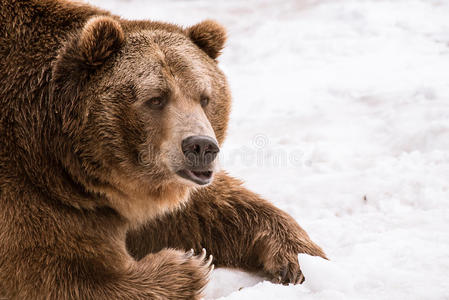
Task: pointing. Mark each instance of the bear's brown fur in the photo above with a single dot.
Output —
(93, 109)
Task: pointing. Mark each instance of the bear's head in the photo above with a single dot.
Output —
(145, 108)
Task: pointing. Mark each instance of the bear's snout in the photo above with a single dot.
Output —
(200, 151)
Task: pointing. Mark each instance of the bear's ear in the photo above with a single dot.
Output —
(209, 36)
(100, 37)
(82, 54)
(86, 51)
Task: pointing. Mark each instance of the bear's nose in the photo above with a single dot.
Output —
(200, 150)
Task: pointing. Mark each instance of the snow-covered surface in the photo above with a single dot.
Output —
(341, 118)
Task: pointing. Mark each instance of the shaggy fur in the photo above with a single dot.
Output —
(90, 207)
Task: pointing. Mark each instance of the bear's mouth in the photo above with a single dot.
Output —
(200, 177)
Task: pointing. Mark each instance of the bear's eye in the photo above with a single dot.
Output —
(204, 101)
(157, 103)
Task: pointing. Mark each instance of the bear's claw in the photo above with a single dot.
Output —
(189, 253)
(289, 273)
(202, 257)
(209, 260)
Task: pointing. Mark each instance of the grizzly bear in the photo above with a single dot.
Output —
(109, 133)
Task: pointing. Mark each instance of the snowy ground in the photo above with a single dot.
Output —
(340, 117)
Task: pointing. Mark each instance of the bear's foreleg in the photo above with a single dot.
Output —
(168, 274)
(236, 226)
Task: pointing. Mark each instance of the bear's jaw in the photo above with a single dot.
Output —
(139, 210)
(201, 177)
(139, 202)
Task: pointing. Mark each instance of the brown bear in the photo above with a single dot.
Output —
(109, 132)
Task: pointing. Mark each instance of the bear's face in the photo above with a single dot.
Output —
(152, 109)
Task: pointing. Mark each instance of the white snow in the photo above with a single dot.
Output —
(341, 118)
